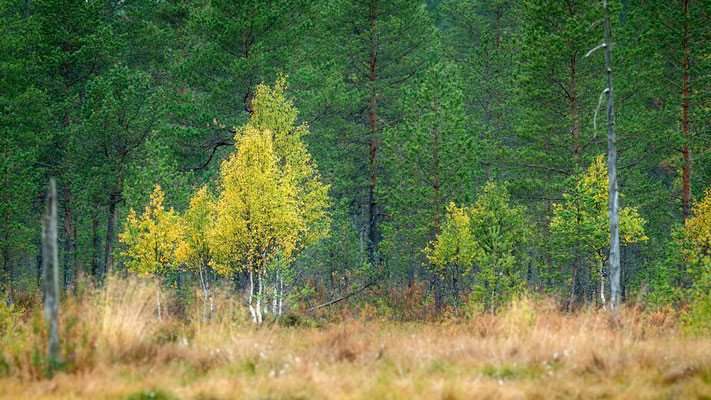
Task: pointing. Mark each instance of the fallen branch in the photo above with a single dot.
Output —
(334, 301)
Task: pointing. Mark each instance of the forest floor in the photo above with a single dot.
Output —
(529, 351)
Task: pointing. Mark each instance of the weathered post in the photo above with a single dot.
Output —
(51, 272)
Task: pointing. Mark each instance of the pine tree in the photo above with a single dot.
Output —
(430, 158)
(76, 42)
(673, 39)
(370, 50)
(228, 48)
(22, 123)
(121, 115)
(482, 248)
(481, 38)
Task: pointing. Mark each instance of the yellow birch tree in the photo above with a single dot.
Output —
(152, 239)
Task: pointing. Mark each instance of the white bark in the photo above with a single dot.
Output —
(281, 294)
(602, 284)
(259, 299)
(251, 295)
(203, 285)
(276, 294)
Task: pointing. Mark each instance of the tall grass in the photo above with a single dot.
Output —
(114, 347)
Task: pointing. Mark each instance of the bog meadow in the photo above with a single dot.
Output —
(355, 199)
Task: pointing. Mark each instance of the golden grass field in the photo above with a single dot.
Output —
(529, 350)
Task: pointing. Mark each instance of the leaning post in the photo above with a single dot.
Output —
(51, 273)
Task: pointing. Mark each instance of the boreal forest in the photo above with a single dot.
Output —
(297, 199)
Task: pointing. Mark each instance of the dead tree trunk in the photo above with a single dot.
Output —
(613, 201)
(51, 273)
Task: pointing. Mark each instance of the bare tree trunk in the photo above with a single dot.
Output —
(108, 263)
(69, 236)
(602, 284)
(203, 286)
(281, 294)
(613, 201)
(51, 272)
(259, 298)
(276, 294)
(96, 248)
(251, 296)
(373, 207)
(572, 289)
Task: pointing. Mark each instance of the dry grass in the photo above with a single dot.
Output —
(529, 350)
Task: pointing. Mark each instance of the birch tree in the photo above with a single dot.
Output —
(196, 250)
(271, 202)
(152, 239)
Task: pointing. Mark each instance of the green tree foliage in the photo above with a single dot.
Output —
(370, 50)
(480, 37)
(482, 248)
(228, 48)
(22, 123)
(122, 115)
(560, 88)
(672, 37)
(429, 159)
(406, 106)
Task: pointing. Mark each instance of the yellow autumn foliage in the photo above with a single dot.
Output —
(152, 238)
(195, 250)
(697, 231)
(581, 222)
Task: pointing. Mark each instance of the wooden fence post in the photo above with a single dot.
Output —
(51, 273)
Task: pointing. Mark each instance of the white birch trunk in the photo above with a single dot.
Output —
(281, 294)
(251, 295)
(203, 286)
(276, 294)
(602, 284)
(259, 299)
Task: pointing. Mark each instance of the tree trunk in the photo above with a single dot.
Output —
(108, 262)
(251, 296)
(259, 299)
(602, 284)
(7, 272)
(50, 267)
(68, 235)
(373, 209)
(685, 119)
(281, 294)
(96, 248)
(613, 200)
(572, 289)
(276, 294)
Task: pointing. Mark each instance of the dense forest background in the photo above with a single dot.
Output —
(459, 140)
